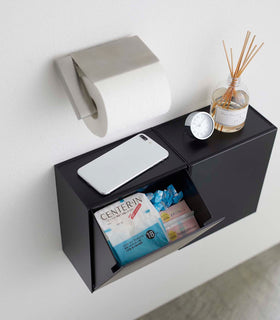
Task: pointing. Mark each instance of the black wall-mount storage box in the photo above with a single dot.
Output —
(221, 179)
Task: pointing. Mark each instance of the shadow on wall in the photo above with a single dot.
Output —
(33, 243)
(44, 94)
(41, 216)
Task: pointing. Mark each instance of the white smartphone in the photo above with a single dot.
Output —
(123, 163)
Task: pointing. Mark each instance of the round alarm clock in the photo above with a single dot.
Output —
(200, 125)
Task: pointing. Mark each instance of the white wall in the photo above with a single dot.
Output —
(39, 129)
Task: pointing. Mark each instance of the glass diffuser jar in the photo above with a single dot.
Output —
(229, 105)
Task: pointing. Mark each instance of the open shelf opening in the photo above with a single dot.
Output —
(182, 182)
(108, 264)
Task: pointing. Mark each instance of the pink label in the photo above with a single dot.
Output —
(135, 210)
(175, 211)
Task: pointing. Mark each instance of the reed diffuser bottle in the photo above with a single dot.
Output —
(230, 117)
(229, 103)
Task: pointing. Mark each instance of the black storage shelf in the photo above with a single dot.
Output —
(221, 179)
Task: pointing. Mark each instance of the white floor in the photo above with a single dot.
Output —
(250, 291)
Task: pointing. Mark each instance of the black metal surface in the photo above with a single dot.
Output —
(230, 183)
(92, 198)
(75, 230)
(193, 150)
(220, 177)
(228, 169)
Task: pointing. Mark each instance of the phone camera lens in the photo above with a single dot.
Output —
(143, 137)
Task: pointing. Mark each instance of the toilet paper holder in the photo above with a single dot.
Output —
(79, 69)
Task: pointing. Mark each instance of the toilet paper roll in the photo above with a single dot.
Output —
(128, 98)
(115, 85)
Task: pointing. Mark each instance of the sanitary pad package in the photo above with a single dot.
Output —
(176, 215)
(132, 227)
(175, 211)
(180, 226)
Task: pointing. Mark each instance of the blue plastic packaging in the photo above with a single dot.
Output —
(132, 227)
(162, 200)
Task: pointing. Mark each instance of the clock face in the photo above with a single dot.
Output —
(202, 125)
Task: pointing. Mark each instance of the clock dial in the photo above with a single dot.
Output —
(202, 125)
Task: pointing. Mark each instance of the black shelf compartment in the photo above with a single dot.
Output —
(221, 178)
(109, 270)
(228, 169)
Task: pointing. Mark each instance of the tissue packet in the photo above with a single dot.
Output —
(132, 227)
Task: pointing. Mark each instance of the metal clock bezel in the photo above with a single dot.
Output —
(189, 120)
